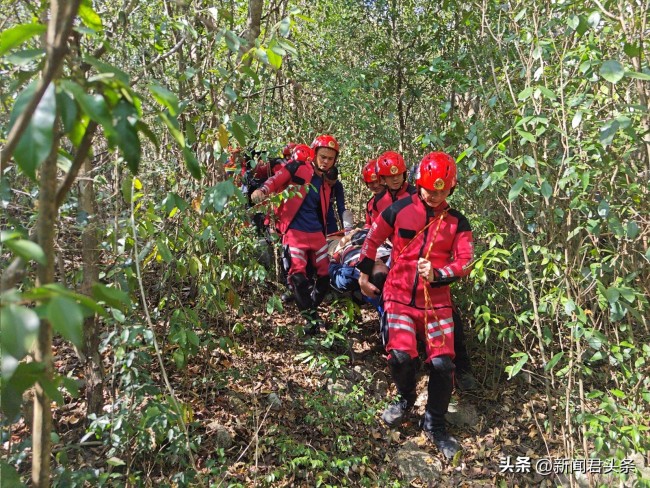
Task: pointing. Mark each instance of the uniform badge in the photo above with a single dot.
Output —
(439, 184)
(394, 170)
(373, 177)
(331, 144)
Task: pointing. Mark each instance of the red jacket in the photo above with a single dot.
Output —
(299, 176)
(448, 243)
(369, 209)
(385, 199)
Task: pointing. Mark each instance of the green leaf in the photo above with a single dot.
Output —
(165, 98)
(612, 71)
(217, 196)
(275, 60)
(52, 391)
(284, 26)
(554, 360)
(68, 110)
(638, 76)
(516, 188)
(612, 295)
(164, 251)
(607, 132)
(9, 475)
(632, 50)
(112, 296)
(617, 393)
(632, 229)
(27, 250)
(577, 118)
(525, 94)
(172, 125)
(594, 19)
(526, 135)
(89, 17)
(125, 117)
(66, 318)
(115, 461)
(230, 93)
(232, 41)
(573, 21)
(547, 190)
(192, 163)
(24, 376)
(108, 68)
(14, 36)
(239, 134)
(514, 369)
(35, 142)
(19, 326)
(71, 385)
(144, 128)
(94, 106)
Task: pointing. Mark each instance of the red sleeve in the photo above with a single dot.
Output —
(368, 217)
(277, 182)
(377, 235)
(462, 252)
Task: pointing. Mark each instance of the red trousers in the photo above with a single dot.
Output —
(305, 247)
(408, 324)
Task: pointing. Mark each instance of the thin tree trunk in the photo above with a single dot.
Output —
(252, 25)
(42, 424)
(89, 250)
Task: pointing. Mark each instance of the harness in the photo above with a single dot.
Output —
(428, 306)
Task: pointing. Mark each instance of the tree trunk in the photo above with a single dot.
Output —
(89, 250)
(42, 424)
(62, 16)
(253, 24)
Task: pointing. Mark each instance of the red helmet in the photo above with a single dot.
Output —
(437, 171)
(325, 141)
(302, 153)
(390, 163)
(369, 171)
(288, 149)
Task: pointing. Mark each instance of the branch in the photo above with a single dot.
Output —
(160, 57)
(251, 95)
(56, 52)
(605, 11)
(80, 157)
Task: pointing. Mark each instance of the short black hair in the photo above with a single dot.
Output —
(332, 173)
(378, 279)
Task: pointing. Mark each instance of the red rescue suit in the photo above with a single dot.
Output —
(380, 202)
(444, 237)
(302, 245)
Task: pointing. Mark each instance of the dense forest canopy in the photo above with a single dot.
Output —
(133, 292)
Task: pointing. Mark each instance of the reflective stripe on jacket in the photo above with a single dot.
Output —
(298, 176)
(449, 246)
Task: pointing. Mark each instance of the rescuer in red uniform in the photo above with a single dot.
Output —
(301, 221)
(391, 171)
(432, 246)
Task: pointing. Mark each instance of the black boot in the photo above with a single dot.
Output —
(321, 288)
(402, 369)
(439, 395)
(300, 286)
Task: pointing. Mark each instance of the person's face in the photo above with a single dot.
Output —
(325, 158)
(433, 198)
(375, 186)
(393, 182)
(380, 267)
